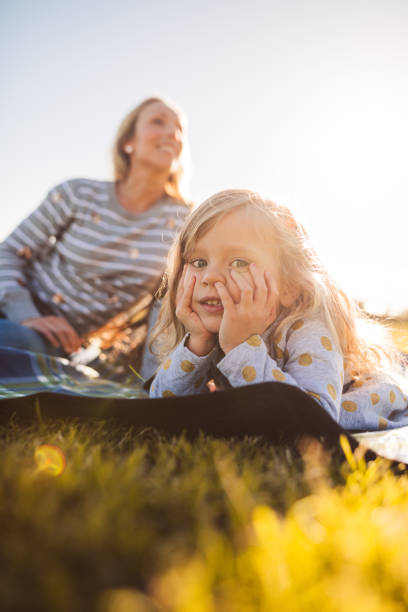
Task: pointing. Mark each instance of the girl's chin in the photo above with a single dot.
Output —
(213, 327)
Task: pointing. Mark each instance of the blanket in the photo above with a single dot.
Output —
(278, 412)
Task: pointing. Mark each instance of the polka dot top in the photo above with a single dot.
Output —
(304, 355)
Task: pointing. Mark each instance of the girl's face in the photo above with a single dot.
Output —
(158, 137)
(231, 244)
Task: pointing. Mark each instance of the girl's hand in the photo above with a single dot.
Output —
(201, 341)
(255, 311)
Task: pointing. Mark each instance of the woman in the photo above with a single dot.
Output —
(94, 248)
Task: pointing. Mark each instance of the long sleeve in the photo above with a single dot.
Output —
(183, 373)
(29, 241)
(373, 403)
(311, 363)
(85, 257)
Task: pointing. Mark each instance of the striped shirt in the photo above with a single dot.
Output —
(81, 255)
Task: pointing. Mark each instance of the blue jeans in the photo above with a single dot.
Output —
(19, 336)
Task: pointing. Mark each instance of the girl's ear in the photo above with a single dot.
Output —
(288, 296)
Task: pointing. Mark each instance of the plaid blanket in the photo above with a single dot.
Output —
(24, 374)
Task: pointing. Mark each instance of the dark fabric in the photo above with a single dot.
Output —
(280, 413)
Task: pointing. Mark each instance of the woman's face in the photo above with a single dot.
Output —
(158, 137)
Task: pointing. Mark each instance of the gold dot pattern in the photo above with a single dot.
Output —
(332, 391)
(278, 353)
(382, 423)
(349, 406)
(254, 340)
(248, 373)
(187, 366)
(167, 364)
(392, 397)
(326, 343)
(312, 394)
(278, 375)
(305, 359)
(358, 383)
(278, 338)
(168, 393)
(375, 398)
(297, 325)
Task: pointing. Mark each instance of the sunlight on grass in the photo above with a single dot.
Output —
(341, 548)
(140, 522)
(136, 373)
(126, 600)
(50, 459)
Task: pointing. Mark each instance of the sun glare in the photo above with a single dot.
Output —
(50, 459)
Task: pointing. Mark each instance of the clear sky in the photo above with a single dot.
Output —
(305, 102)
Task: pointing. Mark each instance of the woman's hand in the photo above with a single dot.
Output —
(57, 330)
(201, 341)
(256, 310)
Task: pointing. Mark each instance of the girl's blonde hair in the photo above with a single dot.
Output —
(174, 186)
(301, 274)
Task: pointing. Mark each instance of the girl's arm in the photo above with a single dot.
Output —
(375, 402)
(182, 373)
(29, 240)
(313, 364)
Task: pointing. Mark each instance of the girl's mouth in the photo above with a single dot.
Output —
(212, 305)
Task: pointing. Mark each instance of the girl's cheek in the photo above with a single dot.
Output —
(245, 273)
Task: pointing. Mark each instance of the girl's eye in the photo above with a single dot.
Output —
(198, 263)
(239, 263)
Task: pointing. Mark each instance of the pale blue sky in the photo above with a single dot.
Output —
(303, 101)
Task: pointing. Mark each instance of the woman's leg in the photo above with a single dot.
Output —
(19, 336)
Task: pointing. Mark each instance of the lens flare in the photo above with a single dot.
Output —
(50, 459)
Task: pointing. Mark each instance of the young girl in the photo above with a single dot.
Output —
(248, 301)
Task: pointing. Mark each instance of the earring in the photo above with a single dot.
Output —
(128, 149)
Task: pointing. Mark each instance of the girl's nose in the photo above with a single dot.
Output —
(211, 276)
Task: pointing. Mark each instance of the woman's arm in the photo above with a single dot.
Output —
(31, 239)
(182, 373)
(313, 364)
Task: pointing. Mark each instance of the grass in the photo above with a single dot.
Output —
(99, 518)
